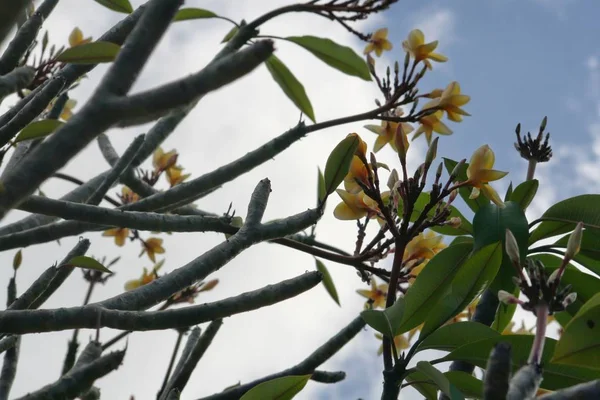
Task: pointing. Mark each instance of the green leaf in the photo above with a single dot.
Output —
(524, 193)
(38, 129)
(556, 376)
(465, 192)
(509, 192)
(88, 263)
(321, 190)
(505, 312)
(564, 215)
(122, 6)
(462, 239)
(489, 226)
(339, 57)
(338, 162)
(90, 53)
(284, 388)
(466, 383)
(423, 200)
(431, 283)
(440, 380)
(450, 337)
(231, 34)
(290, 85)
(185, 14)
(473, 277)
(328, 281)
(423, 384)
(590, 244)
(580, 342)
(387, 321)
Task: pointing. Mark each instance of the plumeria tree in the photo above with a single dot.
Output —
(454, 282)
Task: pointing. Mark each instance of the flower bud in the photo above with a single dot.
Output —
(393, 178)
(553, 277)
(570, 299)
(431, 152)
(454, 222)
(512, 248)
(574, 243)
(401, 142)
(507, 298)
(452, 196)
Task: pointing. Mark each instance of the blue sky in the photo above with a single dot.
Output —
(518, 60)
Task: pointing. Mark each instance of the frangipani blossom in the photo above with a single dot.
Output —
(450, 101)
(424, 246)
(377, 294)
(175, 175)
(387, 132)
(480, 173)
(421, 51)
(162, 161)
(358, 171)
(76, 38)
(146, 277)
(355, 206)
(152, 246)
(378, 42)
(401, 342)
(431, 123)
(120, 235)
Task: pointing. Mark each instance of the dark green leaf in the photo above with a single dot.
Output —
(524, 193)
(386, 321)
(290, 85)
(462, 239)
(185, 14)
(423, 384)
(339, 57)
(431, 283)
(338, 162)
(473, 277)
(564, 215)
(465, 192)
(452, 336)
(470, 386)
(90, 53)
(122, 6)
(423, 200)
(88, 263)
(328, 281)
(38, 129)
(580, 342)
(556, 376)
(440, 380)
(284, 388)
(509, 192)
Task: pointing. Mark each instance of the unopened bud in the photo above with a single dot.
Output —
(439, 170)
(396, 67)
(507, 298)
(543, 124)
(570, 299)
(452, 196)
(574, 243)
(457, 168)
(431, 152)
(406, 60)
(401, 142)
(454, 222)
(512, 248)
(393, 178)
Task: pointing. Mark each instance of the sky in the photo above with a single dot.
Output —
(519, 60)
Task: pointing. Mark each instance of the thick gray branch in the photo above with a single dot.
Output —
(93, 316)
(77, 381)
(149, 105)
(17, 79)
(587, 390)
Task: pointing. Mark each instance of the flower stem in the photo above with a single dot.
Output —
(531, 169)
(535, 357)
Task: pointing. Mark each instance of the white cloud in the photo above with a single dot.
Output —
(224, 126)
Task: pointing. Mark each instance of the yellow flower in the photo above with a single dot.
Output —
(424, 245)
(145, 278)
(76, 38)
(431, 123)
(355, 206)
(163, 161)
(362, 146)
(377, 294)
(152, 246)
(378, 42)
(480, 172)
(120, 235)
(128, 195)
(387, 133)
(522, 330)
(400, 342)
(67, 111)
(421, 51)
(450, 101)
(175, 176)
(358, 170)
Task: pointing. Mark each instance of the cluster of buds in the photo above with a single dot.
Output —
(541, 288)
